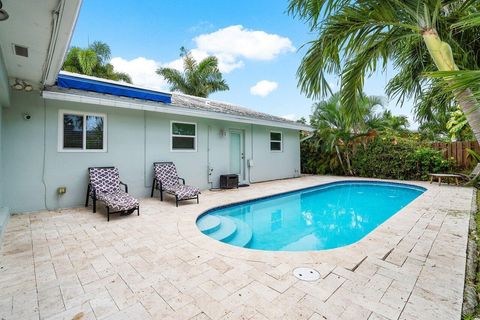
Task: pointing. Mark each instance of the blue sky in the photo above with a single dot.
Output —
(257, 43)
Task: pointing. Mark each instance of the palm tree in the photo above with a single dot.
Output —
(395, 123)
(198, 79)
(359, 37)
(339, 131)
(93, 61)
(463, 80)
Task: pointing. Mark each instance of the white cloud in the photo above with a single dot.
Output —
(238, 41)
(263, 88)
(233, 43)
(290, 116)
(142, 71)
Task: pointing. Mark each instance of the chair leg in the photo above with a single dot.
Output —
(176, 201)
(88, 195)
(197, 198)
(108, 214)
(138, 210)
(94, 205)
(153, 187)
(161, 194)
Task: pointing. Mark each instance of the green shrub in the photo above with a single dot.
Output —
(314, 160)
(402, 159)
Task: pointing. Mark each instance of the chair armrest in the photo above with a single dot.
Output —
(126, 186)
(183, 180)
(464, 176)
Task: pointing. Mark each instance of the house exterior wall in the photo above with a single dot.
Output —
(4, 101)
(34, 168)
(1, 158)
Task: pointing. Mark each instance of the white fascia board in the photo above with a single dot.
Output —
(68, 11)
(165, 108)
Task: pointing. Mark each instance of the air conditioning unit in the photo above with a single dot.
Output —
(228, 181)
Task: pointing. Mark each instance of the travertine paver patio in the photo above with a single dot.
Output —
(55, 265)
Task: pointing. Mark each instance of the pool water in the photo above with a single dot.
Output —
(318, 218)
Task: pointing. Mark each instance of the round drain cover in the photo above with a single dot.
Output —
(306, 274)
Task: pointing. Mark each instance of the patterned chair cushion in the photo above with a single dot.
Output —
(118, 201)
(104, 179)
(166, 173)
(182, 191)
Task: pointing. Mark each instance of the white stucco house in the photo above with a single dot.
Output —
(58, 124)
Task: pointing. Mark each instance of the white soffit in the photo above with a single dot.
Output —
(31, 25)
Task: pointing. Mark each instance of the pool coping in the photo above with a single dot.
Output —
(378, 243)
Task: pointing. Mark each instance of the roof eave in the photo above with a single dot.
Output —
(66, 20)
(170, 109)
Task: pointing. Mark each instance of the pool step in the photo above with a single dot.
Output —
(208, 224)
(243, 236)
(226, 230)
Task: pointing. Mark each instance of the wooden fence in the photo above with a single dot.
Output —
(457, 151)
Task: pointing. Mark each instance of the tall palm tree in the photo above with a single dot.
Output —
(393, 122)
(198, 79)
(462, 80)
(338, 130)
(358, 37)
(93, 61)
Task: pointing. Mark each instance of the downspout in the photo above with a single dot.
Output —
(146, 184)
(53, 40)
(44, 164)
(61, 27)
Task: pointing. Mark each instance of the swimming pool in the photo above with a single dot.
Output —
(317, 218)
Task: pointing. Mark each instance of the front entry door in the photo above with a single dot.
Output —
(237, 154)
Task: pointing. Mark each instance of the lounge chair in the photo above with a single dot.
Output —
(470, 178)
(104, 185)
(167, 180)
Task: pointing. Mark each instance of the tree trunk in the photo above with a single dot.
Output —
(339, 155)
(348, 163)
(441, 53)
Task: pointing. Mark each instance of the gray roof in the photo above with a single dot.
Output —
(187, 102)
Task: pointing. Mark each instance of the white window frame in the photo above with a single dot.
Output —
(61, 114)
(184, 136)
(270, 139)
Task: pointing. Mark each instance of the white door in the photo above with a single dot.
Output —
(237, 154)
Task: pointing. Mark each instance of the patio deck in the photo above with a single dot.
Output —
(55, 265)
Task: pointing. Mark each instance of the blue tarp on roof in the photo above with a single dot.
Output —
(72, 82)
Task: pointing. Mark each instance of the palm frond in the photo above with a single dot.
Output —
(470, 21)
(459, 80)
(87, 60)
(102, 50)
(174, 78)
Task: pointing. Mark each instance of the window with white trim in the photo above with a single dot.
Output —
(275, 141)
(82, 132)
(183, 136)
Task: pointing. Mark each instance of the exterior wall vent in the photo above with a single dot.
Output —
(20, 50)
